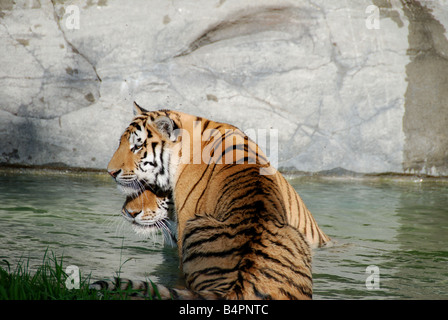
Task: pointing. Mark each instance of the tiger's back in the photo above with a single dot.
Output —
(233, 220)
(226, 154)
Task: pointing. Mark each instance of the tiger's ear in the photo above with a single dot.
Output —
(138, 110)
(166, 127)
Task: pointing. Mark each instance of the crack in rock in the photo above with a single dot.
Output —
(57, 19)
(243, 24)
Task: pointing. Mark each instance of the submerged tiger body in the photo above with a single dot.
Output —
(242, 230)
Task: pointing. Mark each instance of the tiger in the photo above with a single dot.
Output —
(242, 230)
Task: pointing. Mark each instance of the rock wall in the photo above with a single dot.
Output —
(358, 85)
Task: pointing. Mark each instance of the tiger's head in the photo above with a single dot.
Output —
(142, 160)
(148, 214)
(141, 168)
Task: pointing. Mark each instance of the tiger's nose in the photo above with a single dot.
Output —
(114, 173)
(129, 213)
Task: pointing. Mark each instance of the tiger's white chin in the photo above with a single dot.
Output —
(166, 234)
(129, 191)
(146, 231)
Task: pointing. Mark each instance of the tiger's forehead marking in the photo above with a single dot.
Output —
(138, 125)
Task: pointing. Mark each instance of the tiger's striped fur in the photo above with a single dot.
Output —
(243, 232)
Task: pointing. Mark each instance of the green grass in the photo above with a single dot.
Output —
(48, 282)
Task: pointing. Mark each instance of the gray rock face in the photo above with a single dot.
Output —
(330, 84)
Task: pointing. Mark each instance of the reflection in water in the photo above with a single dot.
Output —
(77, 217)
(422, 262)
(362, 222)
(399, 226)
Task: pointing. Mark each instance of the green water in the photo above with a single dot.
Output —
(398, 226)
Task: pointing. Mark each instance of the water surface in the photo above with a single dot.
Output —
(399, 226)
